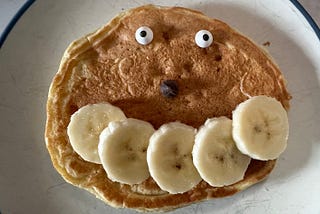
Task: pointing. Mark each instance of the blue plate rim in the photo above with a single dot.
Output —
(308, 17)
(28, 3)
(14, 20)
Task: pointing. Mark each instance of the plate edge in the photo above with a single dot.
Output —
(14, 20)
(307, 16)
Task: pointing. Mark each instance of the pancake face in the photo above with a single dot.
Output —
(109, 65)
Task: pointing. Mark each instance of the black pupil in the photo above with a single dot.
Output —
(143, 33)
(205, 37)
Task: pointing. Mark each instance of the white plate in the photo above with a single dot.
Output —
(30, 57)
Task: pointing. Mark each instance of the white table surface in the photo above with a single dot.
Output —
(9, 7)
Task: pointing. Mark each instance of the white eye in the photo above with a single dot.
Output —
(203, 38)
(144, 35)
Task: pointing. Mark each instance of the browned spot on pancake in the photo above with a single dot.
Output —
(218, 57)
(166, 35)
(265, 84)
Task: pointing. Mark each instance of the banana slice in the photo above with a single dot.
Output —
(261, 128)
(170, 160)
(86, 125)
(215, 154)
(122, 150)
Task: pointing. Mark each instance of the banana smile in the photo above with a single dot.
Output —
(177, 156)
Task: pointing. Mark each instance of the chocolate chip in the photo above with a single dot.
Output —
(169, 88)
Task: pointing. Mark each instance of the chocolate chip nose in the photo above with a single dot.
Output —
(169, 88)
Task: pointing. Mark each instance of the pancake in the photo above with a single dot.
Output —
(109, 65)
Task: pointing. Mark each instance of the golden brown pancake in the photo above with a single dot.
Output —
(110, 66)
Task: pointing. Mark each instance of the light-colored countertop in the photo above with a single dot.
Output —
(9, 7)
(31, 56)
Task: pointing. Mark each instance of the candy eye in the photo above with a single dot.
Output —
(203, 38)
(144, 35)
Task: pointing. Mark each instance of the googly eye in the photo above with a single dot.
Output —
(203, 38)
(144, 35)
